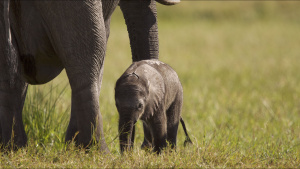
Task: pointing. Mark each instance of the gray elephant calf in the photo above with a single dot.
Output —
(149, 90)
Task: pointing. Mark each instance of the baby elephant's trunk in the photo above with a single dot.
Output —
(187, 138)
(126, 134)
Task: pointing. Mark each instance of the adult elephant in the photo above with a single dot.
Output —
(38, 39)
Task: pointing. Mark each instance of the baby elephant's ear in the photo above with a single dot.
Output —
(153, 80)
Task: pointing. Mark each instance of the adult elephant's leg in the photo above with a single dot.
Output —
(72, 129)
(11, 104)
(108, 8)
(78, 35)
(12, 92)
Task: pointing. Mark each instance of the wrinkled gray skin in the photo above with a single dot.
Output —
(38, 39)
(149, 90)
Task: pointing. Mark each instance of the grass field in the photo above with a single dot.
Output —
(239, 66)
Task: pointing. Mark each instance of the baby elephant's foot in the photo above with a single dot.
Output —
(146, 145)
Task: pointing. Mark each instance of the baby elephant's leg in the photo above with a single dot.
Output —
(173, 116)
(147, 137)
(132, 136)
(159, 132)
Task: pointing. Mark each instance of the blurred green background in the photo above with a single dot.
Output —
(238, 62)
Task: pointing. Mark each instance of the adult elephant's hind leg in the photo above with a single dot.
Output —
(11, 105)
(12, 97)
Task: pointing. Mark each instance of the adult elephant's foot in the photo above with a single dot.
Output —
(168, 2)
(12, 133)
(86, 125)
(92, 139)
(12, 138)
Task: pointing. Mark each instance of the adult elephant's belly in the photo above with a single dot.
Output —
(39, 59)
(40, 68)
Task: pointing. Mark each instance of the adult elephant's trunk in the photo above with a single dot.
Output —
(168, 2)
(126, 134)
(141, 20)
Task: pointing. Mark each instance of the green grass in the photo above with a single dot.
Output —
(238, 64)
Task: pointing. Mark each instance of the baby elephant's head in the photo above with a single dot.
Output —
(130, 95)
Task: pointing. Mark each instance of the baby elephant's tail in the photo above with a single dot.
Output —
(187, 138)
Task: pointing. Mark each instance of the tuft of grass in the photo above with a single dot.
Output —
(45, 123)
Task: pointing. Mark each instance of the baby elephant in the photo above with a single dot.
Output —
(149, 90)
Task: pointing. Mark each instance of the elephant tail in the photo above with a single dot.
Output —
(187, 138)
(11, 55)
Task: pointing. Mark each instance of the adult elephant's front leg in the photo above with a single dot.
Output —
(86, 120)
(79, 37)
(85, 109)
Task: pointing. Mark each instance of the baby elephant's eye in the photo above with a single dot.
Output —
(140, 106)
